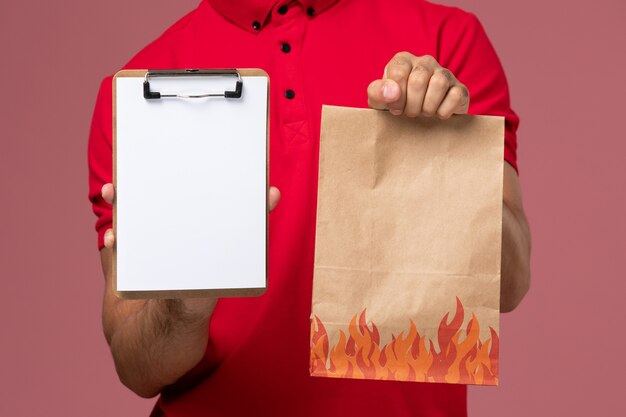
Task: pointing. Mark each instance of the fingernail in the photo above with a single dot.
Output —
(395, 112)
(389, 91)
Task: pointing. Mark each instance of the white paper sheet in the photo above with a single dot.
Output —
(191, 186)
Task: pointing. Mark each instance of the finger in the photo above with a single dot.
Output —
(398, 70)
(416, 89)
(381, 92)
(109, 239)
(108, 193)
(438, 87)
(455, 102)
(274, 197)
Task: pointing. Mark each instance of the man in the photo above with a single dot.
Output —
(233, 357)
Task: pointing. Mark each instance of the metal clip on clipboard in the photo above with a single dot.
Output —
(151, 95)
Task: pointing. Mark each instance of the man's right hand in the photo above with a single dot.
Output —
(154, 342)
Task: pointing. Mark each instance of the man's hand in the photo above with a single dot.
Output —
(154, 342)
(418, 85)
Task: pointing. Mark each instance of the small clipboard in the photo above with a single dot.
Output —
(190, 170)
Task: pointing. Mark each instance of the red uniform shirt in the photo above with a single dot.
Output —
(316, 52)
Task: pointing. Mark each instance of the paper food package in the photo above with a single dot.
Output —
(408, 247)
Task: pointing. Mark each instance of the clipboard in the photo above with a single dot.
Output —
(190, 170)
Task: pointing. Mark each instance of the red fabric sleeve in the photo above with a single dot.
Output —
(469, 55)
(100, 158)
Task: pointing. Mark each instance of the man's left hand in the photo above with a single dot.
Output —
(418, 85)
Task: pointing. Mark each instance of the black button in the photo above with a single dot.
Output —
(285, 48)
(310, 11)
(282, 9)
(290, 94)
(256, 25)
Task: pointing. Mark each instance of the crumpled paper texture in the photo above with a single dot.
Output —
(408, 247)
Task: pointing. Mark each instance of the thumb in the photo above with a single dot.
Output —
(274, 197)
(382, 92)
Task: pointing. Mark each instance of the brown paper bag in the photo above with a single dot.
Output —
(407, 254)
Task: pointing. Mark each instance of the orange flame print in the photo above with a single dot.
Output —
(462, 357)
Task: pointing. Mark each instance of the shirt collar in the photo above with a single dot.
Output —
(251, 15)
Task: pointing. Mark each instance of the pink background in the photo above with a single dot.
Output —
(562, 349)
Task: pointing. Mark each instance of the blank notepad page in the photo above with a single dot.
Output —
(191, 185)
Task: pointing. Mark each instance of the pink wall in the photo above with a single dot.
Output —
(562, 350)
